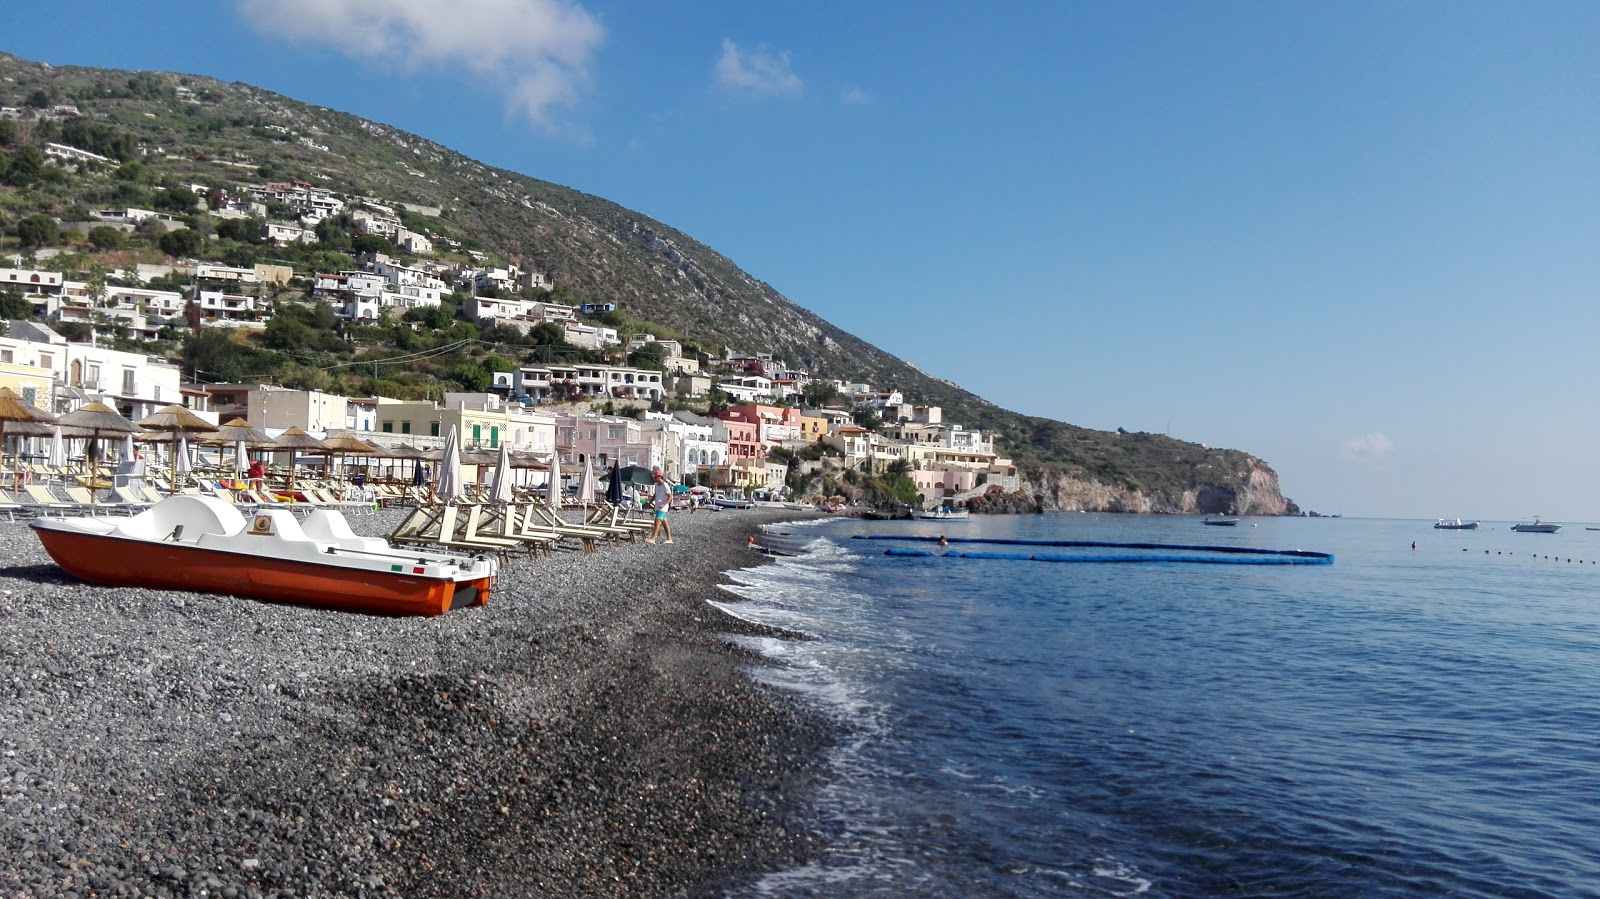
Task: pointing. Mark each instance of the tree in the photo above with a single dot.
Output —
(652, 355)
(105, 237)
(38, 231)
(866, 417)
(472, 376)
(182, 243)
(820, 394)
(39, 99)
(9, 133)
(26, 165)
(14, 305)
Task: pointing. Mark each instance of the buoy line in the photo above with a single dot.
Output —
(1219, 555)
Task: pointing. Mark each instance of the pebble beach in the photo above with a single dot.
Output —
(590, 731)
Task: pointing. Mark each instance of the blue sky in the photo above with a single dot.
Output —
(1359, 240)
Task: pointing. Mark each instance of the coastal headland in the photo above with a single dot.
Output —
(589, 732)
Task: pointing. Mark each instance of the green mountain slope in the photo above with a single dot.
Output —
(194, 128)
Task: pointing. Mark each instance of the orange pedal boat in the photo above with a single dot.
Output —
(204, 544)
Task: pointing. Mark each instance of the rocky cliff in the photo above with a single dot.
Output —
(1253, 491)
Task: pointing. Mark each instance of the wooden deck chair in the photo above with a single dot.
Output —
(444, 529)
(546, 518)
(471, 533)
(505, 522)
(531, 524)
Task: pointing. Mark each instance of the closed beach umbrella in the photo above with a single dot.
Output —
(93, 420)
(128, 450)
(15, 409)
(180, 458)
(555, 481)
(586, 485)
(450, 469)
(614, 488)
(58, 450)
(500, 490)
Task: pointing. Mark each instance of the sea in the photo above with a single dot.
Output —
(1419, 718)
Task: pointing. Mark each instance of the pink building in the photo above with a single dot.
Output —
(599, 441)
(744, 440)
(774, 424)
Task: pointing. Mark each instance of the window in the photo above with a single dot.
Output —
(477, 433)
(405, 427)
(433, 429)
(47, 361)
(388, 427)
(494, 437)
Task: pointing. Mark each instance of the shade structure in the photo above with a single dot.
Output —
(614, 485)
(95, 420)
(293, 441)
(638, 475)
(177, 421)
(17, 411)
(449, 486)
(406, 451)
(587, 484)
(239, 434)
(554, 492)
(344, 443)
(500, 490)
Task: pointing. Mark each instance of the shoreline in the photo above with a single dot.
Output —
(589, 731)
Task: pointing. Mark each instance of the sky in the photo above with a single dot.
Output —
(1358, 240)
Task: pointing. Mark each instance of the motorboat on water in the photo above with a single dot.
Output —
(1220, 522)
(1535, 527)
(205, 544)
(1456, 525)
(943, 514)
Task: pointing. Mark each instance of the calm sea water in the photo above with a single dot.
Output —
(1404, 722)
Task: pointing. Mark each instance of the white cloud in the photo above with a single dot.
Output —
(758, 71)
(854, 96)
(1366, 448)
(538, 51)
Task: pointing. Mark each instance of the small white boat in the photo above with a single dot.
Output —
(944, 514)
(1221, 522)
(1535, 527)
(1456, 525)
(732, 502)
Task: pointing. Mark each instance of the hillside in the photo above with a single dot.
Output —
(196, 129)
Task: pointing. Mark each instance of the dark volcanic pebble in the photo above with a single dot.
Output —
(589, 732)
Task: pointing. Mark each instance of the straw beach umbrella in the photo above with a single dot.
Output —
(93, 420)
(15, 409)
(342, 444)
(177, 421)
(295, 441)
(239, 434)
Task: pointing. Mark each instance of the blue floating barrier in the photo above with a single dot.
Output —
(1159, 552)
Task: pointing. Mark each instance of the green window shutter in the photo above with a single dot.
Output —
(477, 433)
(494, 437)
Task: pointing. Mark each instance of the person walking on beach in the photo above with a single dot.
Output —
(660, 502)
